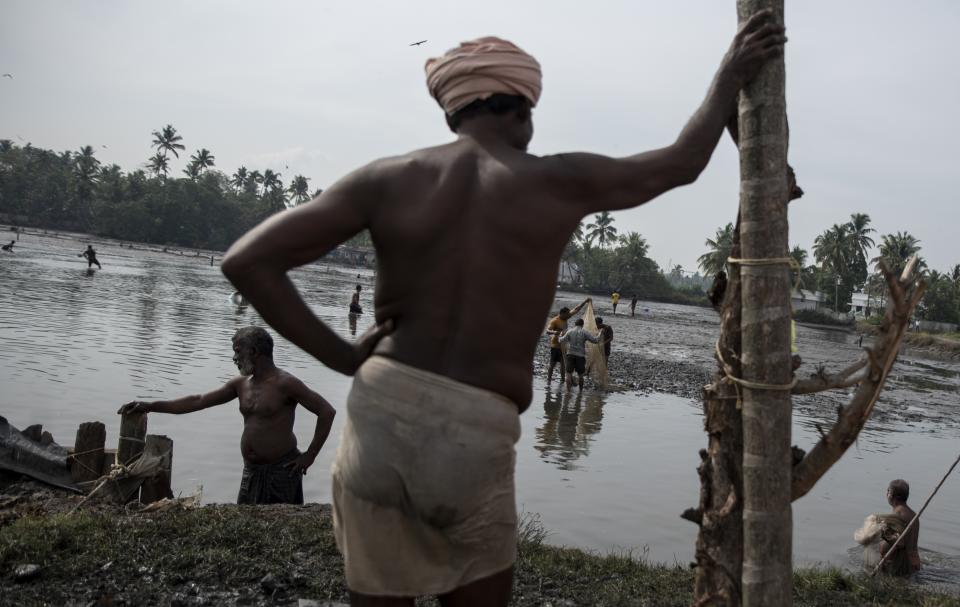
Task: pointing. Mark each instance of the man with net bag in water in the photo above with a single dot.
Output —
(423, 490)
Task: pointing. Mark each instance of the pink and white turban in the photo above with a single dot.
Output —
(479, 69)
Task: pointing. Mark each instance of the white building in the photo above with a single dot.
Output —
(863, 305)
(807, 300)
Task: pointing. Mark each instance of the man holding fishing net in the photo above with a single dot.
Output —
(423, 490)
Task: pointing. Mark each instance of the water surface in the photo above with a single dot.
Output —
(604, 471)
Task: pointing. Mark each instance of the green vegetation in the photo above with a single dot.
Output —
(205, 209)
(222, 553)
(842, 267)
(611, 262)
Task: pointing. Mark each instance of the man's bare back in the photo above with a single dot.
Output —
(459, 226)
(469, 224)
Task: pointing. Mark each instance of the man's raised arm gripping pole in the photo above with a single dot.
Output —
(603, 183)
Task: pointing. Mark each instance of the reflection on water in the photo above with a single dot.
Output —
(570, 419)
(606, 471)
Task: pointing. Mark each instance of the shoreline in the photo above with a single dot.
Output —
(220, 555)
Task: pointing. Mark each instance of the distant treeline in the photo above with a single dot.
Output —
(611, 262)
(203, 209)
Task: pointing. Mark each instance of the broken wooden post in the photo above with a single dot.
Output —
(133, 431)
(86, 462)
(158, 487)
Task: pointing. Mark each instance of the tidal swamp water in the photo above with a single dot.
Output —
(606, 471)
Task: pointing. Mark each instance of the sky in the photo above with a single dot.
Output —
(320, 88)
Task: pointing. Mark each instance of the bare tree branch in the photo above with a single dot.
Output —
(905, 293)
(821, 381)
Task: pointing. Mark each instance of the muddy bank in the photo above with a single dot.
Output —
(669, 348)
(227, 555)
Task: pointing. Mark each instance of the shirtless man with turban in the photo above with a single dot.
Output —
(423, 485)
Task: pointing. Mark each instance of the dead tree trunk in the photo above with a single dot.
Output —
(767, 577)
(719, 514)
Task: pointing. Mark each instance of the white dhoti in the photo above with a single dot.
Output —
(423, 490)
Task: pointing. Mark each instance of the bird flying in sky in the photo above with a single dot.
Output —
(417, 43)
(10, 76)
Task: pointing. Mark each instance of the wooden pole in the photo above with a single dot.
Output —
(158, 487)
(133, 432)
(915, 518)
(767, 577)
(86, 462)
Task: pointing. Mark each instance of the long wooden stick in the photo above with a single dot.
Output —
(914, 519)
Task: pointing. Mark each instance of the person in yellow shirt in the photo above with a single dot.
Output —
(615, 299)
(555, 328)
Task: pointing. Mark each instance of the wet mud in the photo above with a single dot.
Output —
(669, 348)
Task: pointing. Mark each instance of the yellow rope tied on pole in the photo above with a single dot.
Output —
(737, 382)
(771, 261)
(728, 376)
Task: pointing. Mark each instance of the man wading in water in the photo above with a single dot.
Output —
(423, 491)
(906, 560)
(273, 467)
(91, 256)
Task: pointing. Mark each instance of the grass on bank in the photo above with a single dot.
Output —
(219, 555)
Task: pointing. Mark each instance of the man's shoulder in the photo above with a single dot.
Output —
(287, 381)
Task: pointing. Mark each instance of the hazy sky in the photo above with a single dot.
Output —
(322, 87)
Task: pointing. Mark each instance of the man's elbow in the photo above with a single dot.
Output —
(233, 265)
(690, 163)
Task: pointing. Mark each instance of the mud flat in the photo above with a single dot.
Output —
(669, 348)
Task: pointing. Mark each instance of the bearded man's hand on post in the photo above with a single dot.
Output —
(135, 406)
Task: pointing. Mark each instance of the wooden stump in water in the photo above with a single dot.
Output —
(87, 462)
(158, 487)
(133, 432)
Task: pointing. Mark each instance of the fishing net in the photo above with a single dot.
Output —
(596, 362)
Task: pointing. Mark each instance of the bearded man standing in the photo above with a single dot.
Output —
(273, 467)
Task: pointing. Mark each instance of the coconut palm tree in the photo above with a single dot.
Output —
(253, 182)
(860, 243)
(718, 251)
(239, 179)
(896, 249)
(635, 244)
(158, 165)
(602, 229)
(807, 274)
(203, 160)
(193, 170)
(167, 140)
(832, 249)
(86, 165)
(270, 181)
(299, 189)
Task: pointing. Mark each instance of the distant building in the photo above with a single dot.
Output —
(807, 300)
(863, 305)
